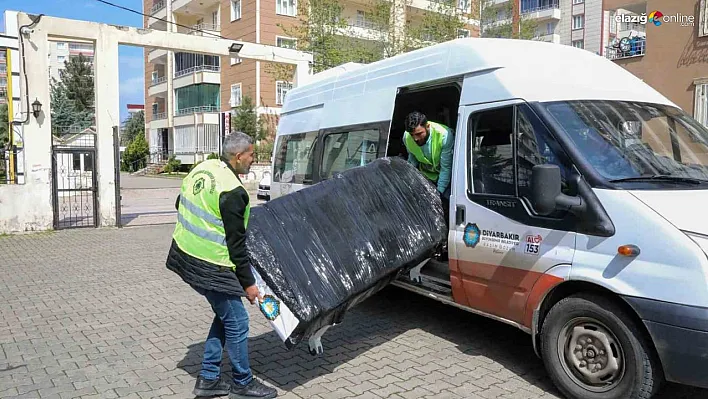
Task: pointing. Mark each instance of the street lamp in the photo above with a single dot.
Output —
(36, 108)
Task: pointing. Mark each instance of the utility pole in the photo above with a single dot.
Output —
(516, 19)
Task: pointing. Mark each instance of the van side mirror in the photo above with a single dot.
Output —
(546, 196)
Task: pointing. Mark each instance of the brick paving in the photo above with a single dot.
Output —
(95, 314)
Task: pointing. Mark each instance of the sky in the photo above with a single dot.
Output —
(131, 67)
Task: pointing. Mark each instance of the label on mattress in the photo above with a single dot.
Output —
(278, 314)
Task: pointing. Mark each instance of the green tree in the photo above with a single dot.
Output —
(76, 79)
(134, 156)
(246, 119)
(4, 125)
(133, 127)
(65, 112)
(497, 21)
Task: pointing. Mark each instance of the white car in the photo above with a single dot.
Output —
(264, 187)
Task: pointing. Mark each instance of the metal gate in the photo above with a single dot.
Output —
(74, 180)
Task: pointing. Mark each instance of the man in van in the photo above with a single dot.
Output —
(209, 253)
(430, 148)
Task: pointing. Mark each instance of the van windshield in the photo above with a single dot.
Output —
(636, 142)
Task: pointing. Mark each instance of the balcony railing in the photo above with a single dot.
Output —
(541, 8)
(159, 115)
(200, 68)
(157, 7)
(197, 110)
(627, 48)
(159, 80)
(199, 28)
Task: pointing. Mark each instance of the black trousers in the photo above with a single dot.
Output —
(445, 198)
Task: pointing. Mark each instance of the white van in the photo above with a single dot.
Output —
(577, 209)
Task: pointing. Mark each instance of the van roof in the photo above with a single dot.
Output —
(506, 68)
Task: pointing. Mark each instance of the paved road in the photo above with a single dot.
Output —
(149, 200)
(95, 314)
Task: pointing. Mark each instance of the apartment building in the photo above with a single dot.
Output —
(579, 23)
(60, 52)
(186, 93)
(669, 51)
(3, 76)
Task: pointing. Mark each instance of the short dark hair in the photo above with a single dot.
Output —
(415, 119)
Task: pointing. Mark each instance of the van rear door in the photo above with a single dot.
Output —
(501, 249)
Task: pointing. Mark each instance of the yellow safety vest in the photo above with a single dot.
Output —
(200, 231)
(429, 167)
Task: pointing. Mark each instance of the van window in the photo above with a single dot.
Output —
(492, 152)
(294, 158)
(493, 156)
(347, 150)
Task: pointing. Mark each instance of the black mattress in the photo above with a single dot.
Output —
(329, 246)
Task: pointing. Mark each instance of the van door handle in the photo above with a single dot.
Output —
(460, 215)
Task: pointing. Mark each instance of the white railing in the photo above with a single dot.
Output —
(196, 110)
(202, 27)
(159, 80)
(545, 7)
(200, 68)
(157, 7)
(632, 48)
(159, 115)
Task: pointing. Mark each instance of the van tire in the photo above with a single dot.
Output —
(602, 324)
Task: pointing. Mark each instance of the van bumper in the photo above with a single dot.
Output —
(680, 335)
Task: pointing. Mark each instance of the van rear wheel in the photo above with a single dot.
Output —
(593, 350)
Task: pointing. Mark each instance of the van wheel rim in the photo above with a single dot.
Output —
(591, 354)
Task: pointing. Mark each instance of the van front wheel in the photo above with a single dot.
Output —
(592, 350)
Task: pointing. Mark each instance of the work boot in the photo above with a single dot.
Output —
(210, 388)
(254, 389)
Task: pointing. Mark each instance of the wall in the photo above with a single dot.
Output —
(673, 51)
(245, 71)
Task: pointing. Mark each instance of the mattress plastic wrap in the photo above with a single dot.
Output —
(327, 247)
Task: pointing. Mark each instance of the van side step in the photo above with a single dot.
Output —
(432, 274)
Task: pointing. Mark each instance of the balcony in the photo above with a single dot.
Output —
(157, 56)
(627, 48)
(361, 30)
(195, 115)
(550, 38)
(158, 86)
(159, 120)
(209, 30)
(159, 116)
(197, 74)
(193, 7)
(158, 10)
(543, 12)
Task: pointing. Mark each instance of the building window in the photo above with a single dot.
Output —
(203, 97)
(463, 33)
(285, 42)
(550, 28)
(281, 89)
(703, 19)
(700, 107)
(186, 63)
(578, 21)
(235, 10)
(579, 43)
(613, 22)
(286, 7)
(578, 1)
(215, 18)
(235, 100)
(61, 46)
(76, 161)
(61, 59)
(463, 5)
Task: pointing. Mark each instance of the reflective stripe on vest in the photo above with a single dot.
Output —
(429, 167)
(200, 231)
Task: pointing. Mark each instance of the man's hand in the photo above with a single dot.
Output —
(252, 293)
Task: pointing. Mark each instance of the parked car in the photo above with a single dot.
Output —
(264, 187)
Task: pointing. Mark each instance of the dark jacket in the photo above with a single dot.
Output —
(205, 275)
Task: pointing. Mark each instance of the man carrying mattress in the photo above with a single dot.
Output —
(430, 149)
(209, 253)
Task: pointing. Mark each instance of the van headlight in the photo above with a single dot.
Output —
(700, 239)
